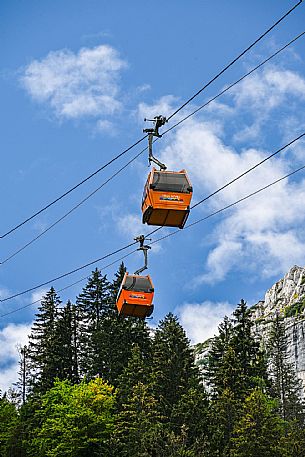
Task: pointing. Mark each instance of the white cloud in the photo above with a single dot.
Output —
(8, 376)
(106, 126)
(260, 222)
(164, 106)
(268, 89)
(263, 92)
(129, 224)
(220, 261)
(200, 320)
(38, 294)
(143, 88)
(11, 336)
(4, 292)
(77, 84)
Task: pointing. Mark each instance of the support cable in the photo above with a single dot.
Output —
(143, 150)
(237, 177)
(72, 209)
(235, 83)
(234, 60)
(158, 239)
(69, 272)
(66, 287)
(71, 189)
(248, 171)
(13, 229)
(229, 206)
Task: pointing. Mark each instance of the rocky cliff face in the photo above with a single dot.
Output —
(286, 297)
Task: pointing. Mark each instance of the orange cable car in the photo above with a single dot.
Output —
(135, 296)
(166, 198)
(136, 292)
(167, 194)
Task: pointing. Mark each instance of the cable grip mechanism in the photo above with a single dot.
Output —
(158, 121)
(144, 248)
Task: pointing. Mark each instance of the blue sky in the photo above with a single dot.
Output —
(77, 79)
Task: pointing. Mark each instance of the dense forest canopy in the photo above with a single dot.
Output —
(95, 384)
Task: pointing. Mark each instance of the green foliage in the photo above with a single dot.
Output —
(137, 370)
(44, 351)
(292, 442)
(65, 332)
(235, 366)
(259, 430)
(235, 361)
(190, 417)
(106, 339)
(173, 365)
(295, 309)
(286, 387)
(8, 422)
(224, 410)
(93, 303)
(160, 407)
(74, 420)
(118, 336)
(136, 421)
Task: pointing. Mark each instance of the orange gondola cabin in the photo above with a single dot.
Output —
(166, 199)
(135, 296)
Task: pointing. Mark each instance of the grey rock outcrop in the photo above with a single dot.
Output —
(286, 297)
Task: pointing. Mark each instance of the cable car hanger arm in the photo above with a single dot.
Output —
(158, 121)
(144, 249)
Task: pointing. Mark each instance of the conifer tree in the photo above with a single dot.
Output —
(224, 410)
(8, 422)
(23, 383)
(118, 336)
(66, 351)
(94, 299)
(293, 441)
(116, 283)
(252, 361)
(92, 304)
(220, 344)
(137, 371)
(43, 343)
(235, 366)
(235, 360)
(286, 387)
(173, 366)
(226, 402)
(190, 418)
(136, 423)
(106, 339)
(258, 432)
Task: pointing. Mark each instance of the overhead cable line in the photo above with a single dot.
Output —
(248, 171)
(238, 177)
(66, 287)
(158, 228)
(234, 60)
(141, 139)
(69, 272)
(198, 221)
(143, 150)
(229, 206)
(72, 188)
(235, 83)
(72, 209)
